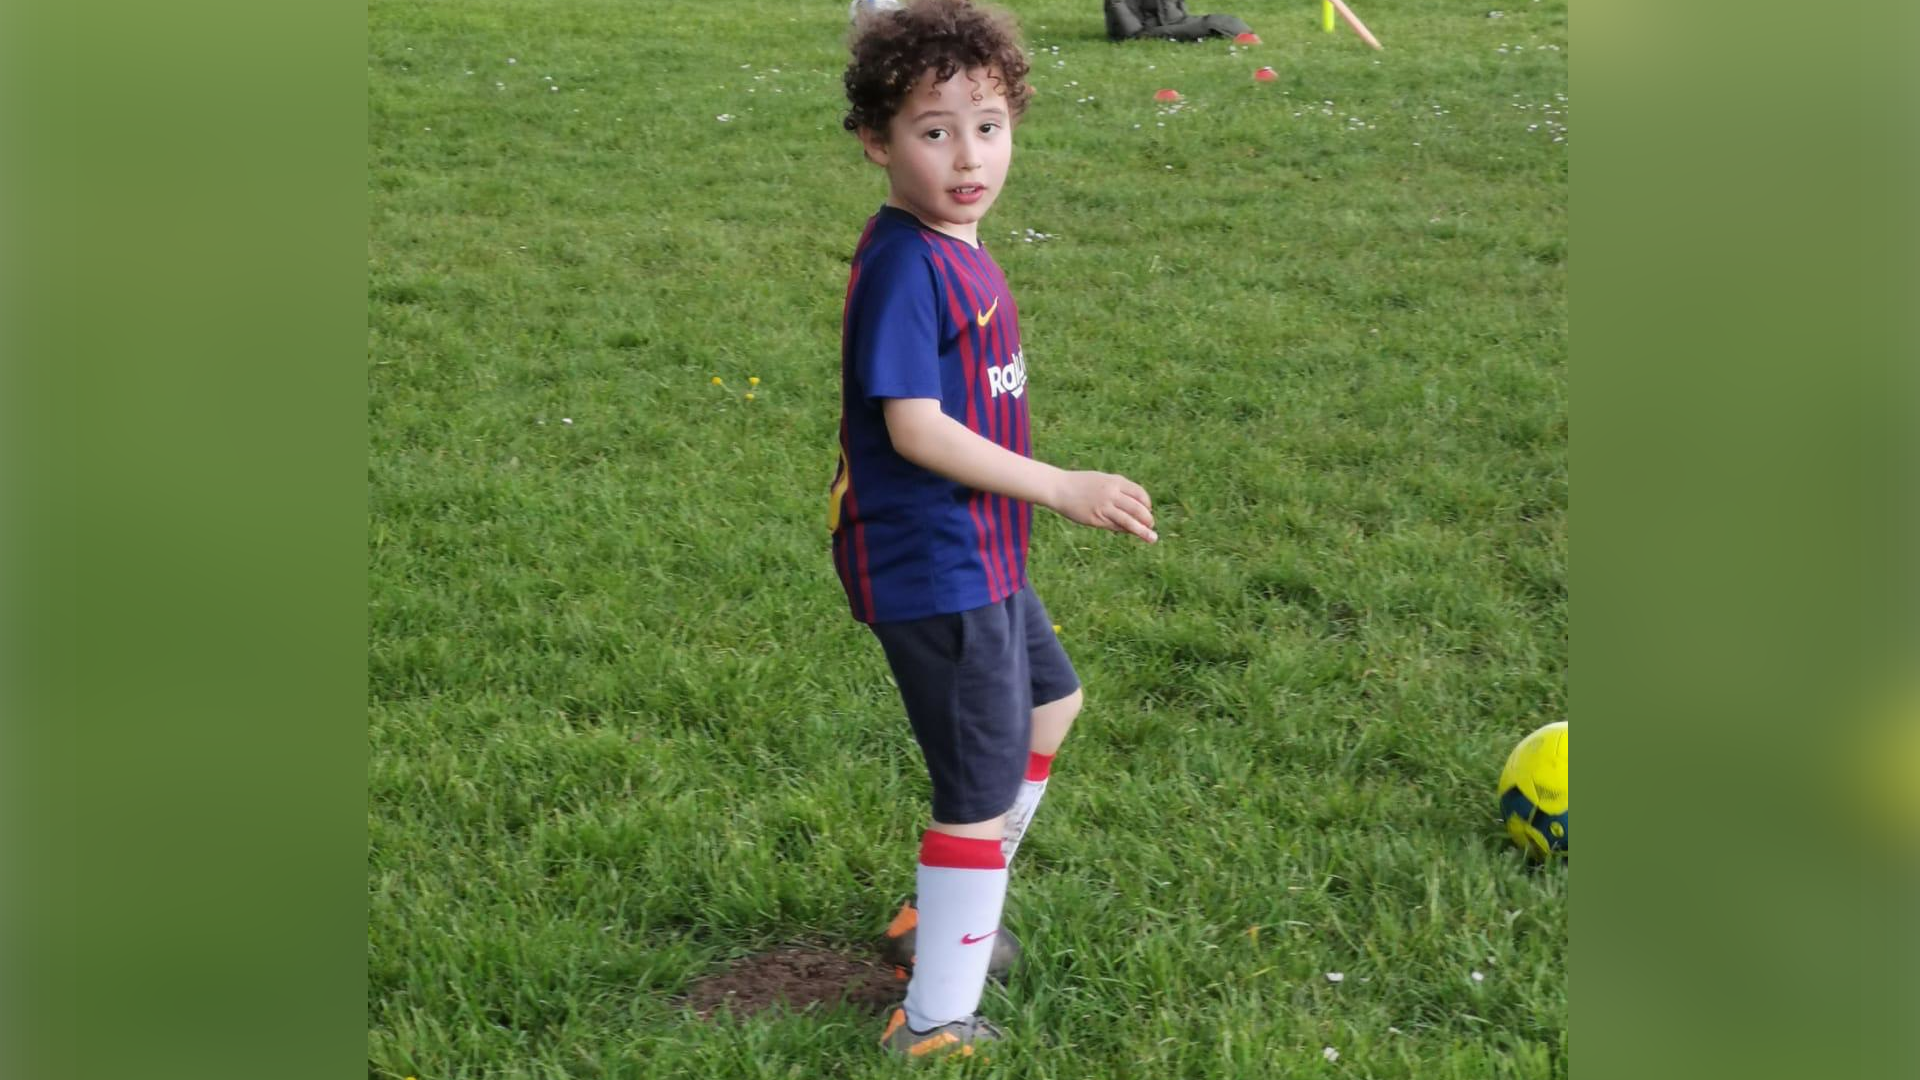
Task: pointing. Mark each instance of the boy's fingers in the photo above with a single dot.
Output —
(1119, 520)
(1135, 508)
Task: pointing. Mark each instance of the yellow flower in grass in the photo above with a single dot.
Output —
(749, 397)
(717, 381)
(753, 380)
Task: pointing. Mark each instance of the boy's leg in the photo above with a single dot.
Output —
(900, 942)
(1051, 722)
(991, 829)
(1055, 684)
(961, 883)
(964, 681)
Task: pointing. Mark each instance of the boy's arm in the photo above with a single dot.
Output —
(931, 439)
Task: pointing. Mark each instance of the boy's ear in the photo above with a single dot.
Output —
(875, 145)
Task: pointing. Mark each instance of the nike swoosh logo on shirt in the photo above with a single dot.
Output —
(969, 939)
(986, 315)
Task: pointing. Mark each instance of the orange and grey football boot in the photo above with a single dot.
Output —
(961, 1038)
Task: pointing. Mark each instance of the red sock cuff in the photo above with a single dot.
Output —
(1038, 765)
(960, 852)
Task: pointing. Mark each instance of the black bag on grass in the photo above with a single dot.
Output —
(1127, 19)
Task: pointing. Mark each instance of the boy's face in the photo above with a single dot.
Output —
(947, 150)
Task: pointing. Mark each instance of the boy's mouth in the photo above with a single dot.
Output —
(967, 193)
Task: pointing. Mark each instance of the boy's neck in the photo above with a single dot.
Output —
(968, 233)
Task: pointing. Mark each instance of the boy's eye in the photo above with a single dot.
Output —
(937, 134)
(989, 128)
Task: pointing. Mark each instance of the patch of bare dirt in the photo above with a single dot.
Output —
(799, 978)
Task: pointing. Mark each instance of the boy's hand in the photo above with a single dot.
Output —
(1106, 501)
(929, 438)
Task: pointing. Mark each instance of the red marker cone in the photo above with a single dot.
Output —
(1166, 95)
(1247, 38)
(1265, 74)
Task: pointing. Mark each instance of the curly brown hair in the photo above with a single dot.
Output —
(893, 49)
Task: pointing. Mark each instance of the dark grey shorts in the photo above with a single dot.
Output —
(970, 682)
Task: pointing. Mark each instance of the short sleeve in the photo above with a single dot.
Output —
(895, 323)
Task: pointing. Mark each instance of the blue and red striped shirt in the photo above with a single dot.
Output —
(927, 316)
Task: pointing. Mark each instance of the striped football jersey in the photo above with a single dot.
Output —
(927, 316)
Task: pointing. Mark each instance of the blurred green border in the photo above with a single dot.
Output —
(184, 429)
(185, 750)
(1742, 582)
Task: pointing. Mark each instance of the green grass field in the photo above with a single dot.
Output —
(622, 728)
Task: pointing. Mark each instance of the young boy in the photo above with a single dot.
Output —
(932, 500)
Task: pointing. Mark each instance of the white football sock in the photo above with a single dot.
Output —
(1025, 803)
(962, 883)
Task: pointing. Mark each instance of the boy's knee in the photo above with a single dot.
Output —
(1067, 707)
(1052, 721)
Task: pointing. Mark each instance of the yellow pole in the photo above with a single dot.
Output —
(1326, 15)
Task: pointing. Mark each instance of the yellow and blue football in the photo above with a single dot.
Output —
(1533, 792)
